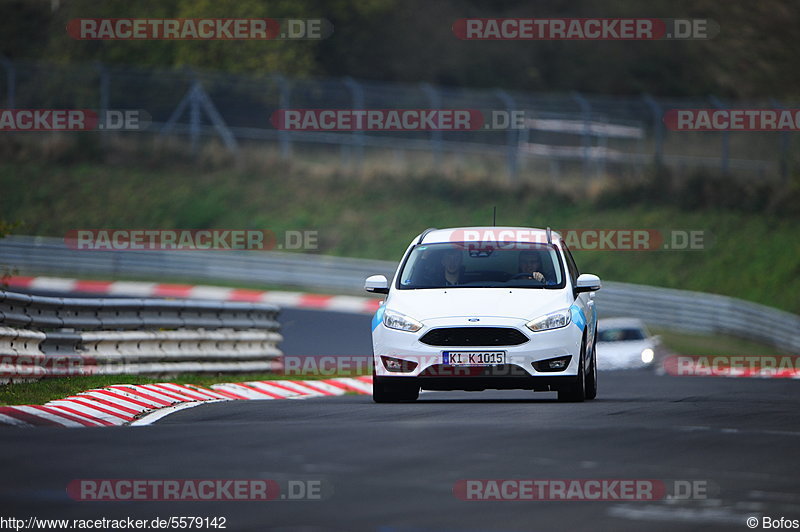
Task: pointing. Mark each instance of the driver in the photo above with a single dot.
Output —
(451, 263)
(530, 263)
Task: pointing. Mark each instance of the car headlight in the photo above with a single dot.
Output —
(647, 355)
(395, 320)
(556, 320)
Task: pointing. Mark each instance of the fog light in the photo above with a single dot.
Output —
(398, 364)
(553, 364)
(647, 355)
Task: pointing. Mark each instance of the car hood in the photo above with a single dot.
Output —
(522, 303)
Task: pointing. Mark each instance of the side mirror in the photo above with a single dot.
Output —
(587, 283)
(376, 284)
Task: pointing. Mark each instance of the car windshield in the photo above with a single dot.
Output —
(621, 334)
(482, 265)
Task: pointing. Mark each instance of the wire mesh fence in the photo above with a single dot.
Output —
(563, 134)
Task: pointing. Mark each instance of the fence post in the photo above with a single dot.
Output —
(357, 92)
(435, 136)
(725, 163)
(512, 136)
(658, 128)
(784, 145)
(586, 113)
(11, 82)
(196, 99)
(284, 99)
(104, 94)
(194, 116)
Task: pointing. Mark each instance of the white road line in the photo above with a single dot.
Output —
(152, 417)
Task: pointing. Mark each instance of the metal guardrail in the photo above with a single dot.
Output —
(662, 307)
(96, 313)
(50, 256)
(77, 336)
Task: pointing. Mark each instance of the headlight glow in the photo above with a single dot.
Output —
(555, 320)
(395, 320)
(647, 355)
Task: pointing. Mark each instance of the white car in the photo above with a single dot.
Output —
(479, 308)
(625, 343)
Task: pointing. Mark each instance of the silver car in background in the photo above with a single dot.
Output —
(625, 343)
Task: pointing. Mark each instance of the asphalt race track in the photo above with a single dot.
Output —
(392, 467)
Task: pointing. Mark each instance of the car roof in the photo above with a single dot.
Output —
(488, 233)
(612, 323)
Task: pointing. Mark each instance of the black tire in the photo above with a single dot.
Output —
(576, 393)
(389, 390)
(591, 377)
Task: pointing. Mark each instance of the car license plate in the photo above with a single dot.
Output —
(473, 358)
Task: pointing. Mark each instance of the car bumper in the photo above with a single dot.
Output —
(519, 370)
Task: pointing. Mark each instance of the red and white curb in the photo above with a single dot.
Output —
(142, 404)
(352, 304)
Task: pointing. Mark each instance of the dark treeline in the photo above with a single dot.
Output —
(754, 56)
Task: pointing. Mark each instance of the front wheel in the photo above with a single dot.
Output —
(393, 389)
(576, 393)
(591, 376)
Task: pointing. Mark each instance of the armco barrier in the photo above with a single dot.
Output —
(54, 336)
(663, 307)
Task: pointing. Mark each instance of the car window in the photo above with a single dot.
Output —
(466, 265)
(571, 266)
(621, 334)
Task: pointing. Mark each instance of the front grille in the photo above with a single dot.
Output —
(474, 336)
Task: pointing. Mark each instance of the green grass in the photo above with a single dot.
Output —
(708, 345)
(373, 213)
(40, 392)
(752, 256)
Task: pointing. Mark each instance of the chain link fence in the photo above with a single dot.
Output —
(570, 134)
